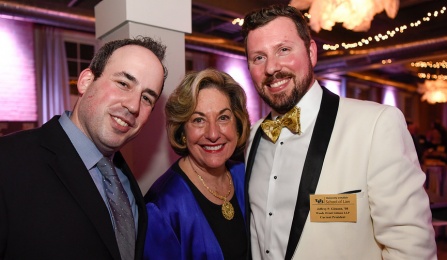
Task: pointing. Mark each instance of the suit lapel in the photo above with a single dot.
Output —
(250, 161)
(313, 165)
(68, 166)
(249, 167)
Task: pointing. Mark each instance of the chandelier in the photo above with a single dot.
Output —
(355, 15)
(434, 91)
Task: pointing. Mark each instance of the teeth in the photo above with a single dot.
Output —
(279, 83)
(120, 122)
(213, 148)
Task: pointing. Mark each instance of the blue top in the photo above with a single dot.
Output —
(177, 227)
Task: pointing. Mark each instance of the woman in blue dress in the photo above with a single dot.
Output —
(196, 208)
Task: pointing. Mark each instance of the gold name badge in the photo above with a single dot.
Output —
(333, 208)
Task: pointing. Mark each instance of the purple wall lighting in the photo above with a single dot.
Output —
(17, 77)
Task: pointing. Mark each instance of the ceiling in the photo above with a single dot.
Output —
(213, 18)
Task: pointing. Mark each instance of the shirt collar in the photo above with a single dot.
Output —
(309, 106)
(86, 149)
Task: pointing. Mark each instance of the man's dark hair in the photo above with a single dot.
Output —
(263, 16)
(101, 58)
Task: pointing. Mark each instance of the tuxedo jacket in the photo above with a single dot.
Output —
(362, 147)
(50, 207)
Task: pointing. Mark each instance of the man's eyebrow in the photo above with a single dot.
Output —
(126, 75)
(151, 92)
(134, 80)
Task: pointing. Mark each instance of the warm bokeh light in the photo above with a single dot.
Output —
(434, 91)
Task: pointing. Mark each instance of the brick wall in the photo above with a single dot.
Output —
(17, 77)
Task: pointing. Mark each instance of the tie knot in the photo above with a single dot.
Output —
(291, 120)
(106, 167)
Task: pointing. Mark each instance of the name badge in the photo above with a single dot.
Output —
(333, 208)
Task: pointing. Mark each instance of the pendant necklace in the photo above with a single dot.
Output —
(227, 207)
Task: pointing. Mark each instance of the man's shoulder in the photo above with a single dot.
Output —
(25, 135)
(367, 112)
(19, 137)
(357, 106)
(26, 140)
(362, 103)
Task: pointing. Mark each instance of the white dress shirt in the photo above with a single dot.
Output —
(275, 179)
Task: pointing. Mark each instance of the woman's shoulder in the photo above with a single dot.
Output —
(170, 197)
(237, 166)
(167, 184)
(237, 170)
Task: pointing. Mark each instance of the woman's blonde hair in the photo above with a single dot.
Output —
(183, 101)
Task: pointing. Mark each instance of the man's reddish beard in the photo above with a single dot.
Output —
(282, 102)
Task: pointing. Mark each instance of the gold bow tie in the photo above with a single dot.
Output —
(291, 120)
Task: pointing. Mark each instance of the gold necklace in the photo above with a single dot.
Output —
(227, 207)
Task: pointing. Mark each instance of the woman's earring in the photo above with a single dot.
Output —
(183, 139)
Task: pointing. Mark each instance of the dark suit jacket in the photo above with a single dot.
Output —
(50, 207)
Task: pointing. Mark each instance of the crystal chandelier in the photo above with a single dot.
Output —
(355, 15)
(433, 91)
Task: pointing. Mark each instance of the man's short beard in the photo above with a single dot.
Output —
(282, 102)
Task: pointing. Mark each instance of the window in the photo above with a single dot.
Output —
(79, 56)
(79, 48)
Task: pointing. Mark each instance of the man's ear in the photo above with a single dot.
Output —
(313, 53)
(85, 79)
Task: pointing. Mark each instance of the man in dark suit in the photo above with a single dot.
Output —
(53, 199)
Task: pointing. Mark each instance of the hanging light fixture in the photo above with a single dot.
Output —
(355, 15)
(433, 91)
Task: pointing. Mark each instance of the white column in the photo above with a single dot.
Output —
(149, 155)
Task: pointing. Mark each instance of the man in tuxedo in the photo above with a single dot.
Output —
(342, 181)
(54, 199)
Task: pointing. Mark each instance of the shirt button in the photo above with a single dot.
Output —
(267, 251)
(275, 177)
(282, 143)
(270, 213)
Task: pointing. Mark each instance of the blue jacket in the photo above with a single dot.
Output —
(177, 227)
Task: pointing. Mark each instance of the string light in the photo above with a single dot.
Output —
(238, 21)
(431, 65)
(383, 37)
(434, 88)
(377, 38)
(432, 76)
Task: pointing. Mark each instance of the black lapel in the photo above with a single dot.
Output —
(68, 166)
(312, 166)
(250, 161)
